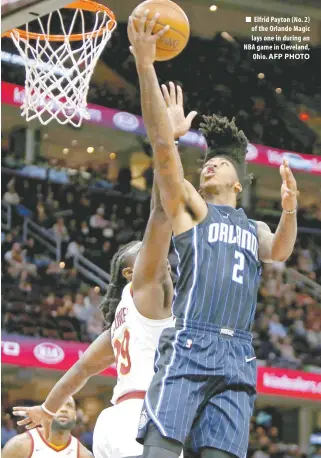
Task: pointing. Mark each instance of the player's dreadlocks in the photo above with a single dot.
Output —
(224, 139)
(117, 283)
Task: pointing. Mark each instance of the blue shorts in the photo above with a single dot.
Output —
(204, 387)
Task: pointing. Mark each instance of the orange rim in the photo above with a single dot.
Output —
(86, 5)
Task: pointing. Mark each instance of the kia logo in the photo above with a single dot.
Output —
(49, 353)
(10, 348)
(126, 121)
(251, 152)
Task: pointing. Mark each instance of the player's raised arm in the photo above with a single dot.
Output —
(151, 278)
(161, 130)
(98, 356)
(279, 246)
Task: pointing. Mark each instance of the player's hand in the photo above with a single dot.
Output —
(174, 101)
(143, 41)
(289, 192)
(35, 416)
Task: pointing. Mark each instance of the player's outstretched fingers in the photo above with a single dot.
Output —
(142, 22)
(179, 95)
(161, 32)
(131, 30)
(166, 95)
(172, 92)
(289, 177)
(191, 116)
(151, 24)
(282, 172)
(24, 422)
(19, 411)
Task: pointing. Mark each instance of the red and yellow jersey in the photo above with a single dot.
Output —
(41, 448)
(134, 339)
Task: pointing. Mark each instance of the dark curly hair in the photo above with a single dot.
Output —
(117, 283)
(224, 139)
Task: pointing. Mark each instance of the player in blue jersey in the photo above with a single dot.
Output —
(205, 367)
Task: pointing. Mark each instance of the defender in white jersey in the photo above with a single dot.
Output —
(137, 307)
(134, 338)
(33, 444)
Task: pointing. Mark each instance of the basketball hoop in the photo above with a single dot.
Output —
(59, 67)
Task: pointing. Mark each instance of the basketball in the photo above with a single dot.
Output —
(174, 41)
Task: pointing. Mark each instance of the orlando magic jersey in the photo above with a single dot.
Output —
(219, 270)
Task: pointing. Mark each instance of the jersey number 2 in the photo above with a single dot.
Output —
(122, 349)
(238, 268)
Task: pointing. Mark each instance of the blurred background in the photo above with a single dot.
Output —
(72, 197)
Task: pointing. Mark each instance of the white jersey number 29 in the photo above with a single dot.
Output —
(238, 268)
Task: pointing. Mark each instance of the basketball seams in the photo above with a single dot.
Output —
(170, 14)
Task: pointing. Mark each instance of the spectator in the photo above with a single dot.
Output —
(6, 244)
(286, 349)
(41, 215)
(74, 249)
(262, 452)
(84, 229)
(72, 280)
(86, 437)
(50, 303)
(95, 324)
(274, 434)
(105, 256)
(11, 196)
(93, 300)
(60, 231)
(25, 285)
(83, 209)
(80, 310)
(66, 308)
(7, 430)
(51, 204)
(314, 335)
(275, 327)
(30, 250)
(15, 258)
(97, 221)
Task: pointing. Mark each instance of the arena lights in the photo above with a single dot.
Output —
(112, 156)
(62, 265)
(213, 8)
(65, 151)
(97, 289)
(304, 116)
(46, 136)
(278, 90)
(90, 149)
(261, 76)
(74, 143)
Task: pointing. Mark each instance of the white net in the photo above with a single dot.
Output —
(58, 70)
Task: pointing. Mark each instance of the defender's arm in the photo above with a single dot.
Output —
(151, 274)
(98, 356)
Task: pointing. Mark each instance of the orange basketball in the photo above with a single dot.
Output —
(175, 39)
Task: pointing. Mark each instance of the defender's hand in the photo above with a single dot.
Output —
(143, 42)
(174, 102)
(35, 417)
(289, 192)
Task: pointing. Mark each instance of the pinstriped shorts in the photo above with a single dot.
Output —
(203, 387)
